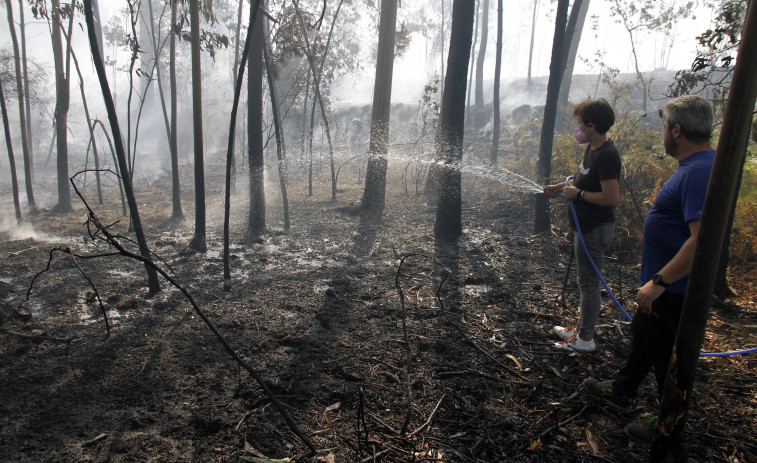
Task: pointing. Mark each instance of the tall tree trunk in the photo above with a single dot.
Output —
(576, 22)
(441, 55)
(156, 47)
(90, 124)
(448, 225)
(375, 174)
(230, 147)
(497, 72)
(556, 70)
(61, 113)
(531, 45)
(319, 98)
(11, 159)
(472, 63)
(22, 114)
(198, 241)
(27, 94)
(237, 32)
(255, 158)
(177, 212)
(278, 131)
(481, 116)
(144, 251)
(734, 134)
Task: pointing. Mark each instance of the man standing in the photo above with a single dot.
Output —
(670, 235)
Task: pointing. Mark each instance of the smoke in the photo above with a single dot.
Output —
(11, 231)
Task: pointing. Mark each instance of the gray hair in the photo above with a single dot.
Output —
(694, 114)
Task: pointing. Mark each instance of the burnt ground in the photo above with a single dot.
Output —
(463, 371)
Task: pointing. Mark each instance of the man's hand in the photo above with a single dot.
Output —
(647, 295)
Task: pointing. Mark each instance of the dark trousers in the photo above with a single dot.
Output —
(652, 339)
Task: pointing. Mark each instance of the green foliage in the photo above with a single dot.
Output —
(744, 239)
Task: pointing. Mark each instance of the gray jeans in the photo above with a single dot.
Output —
(597, 241)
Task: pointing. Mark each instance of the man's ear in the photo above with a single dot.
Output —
(676, 130)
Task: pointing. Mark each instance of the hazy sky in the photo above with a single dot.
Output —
(412, 71)
(610, 38)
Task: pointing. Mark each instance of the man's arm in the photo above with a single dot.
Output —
(678, 267)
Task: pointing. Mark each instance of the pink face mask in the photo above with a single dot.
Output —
(580, 136)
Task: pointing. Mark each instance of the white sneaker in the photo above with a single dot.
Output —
(576, 344)
(564, 332)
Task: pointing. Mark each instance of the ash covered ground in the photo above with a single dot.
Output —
(380, 344)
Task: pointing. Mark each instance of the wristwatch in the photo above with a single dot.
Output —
(580, 195)
(657, 279)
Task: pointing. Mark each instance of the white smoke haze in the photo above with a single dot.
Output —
(12, 231)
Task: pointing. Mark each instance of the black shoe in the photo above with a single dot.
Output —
(642, 431)
(603, 391)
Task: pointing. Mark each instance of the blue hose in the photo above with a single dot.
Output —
(612, 296)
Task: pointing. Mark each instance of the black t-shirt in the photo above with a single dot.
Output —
(597, 165)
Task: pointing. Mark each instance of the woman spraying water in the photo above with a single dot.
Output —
(595, 192)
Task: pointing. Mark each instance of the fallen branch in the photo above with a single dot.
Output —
(103, 233)
(36, 337)
(430, 417)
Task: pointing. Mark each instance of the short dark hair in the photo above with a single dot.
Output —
(597, 112)
(693, 113)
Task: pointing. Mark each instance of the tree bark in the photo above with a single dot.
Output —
(255, 158)
(177, 212)
(576, 22)
(481, 116)
(375, 173)
(734, 134)
(152, 275)
(556, 70)
(11, 159)
(230, 150)
(27, 97)
(278, 132)
(23, 102)
(495, 100)
(531, 45)
(61, 113)
(198, 241)
(448, 225)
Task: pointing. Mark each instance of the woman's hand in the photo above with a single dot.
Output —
(550, 191)
(570, 192)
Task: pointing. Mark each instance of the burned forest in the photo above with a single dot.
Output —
(217, 248)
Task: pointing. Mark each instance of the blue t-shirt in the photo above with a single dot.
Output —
(666, 227)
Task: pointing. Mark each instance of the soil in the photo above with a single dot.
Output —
(380, 344)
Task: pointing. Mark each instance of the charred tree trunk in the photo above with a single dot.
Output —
(90, 125)
(319, 98)
(22, 113)
(198, 241)
(255, 158)
(61, 113)
(576, 22)
(278, 132)
(472, 63)
(448, 225)
(734, 134)
(27, 97)
(481, 116)
(375, 174)
(556, 70)
(11, 159)
(531, 45)
(177, 212)
(495, 100)
(230, 151)
(152, 275)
